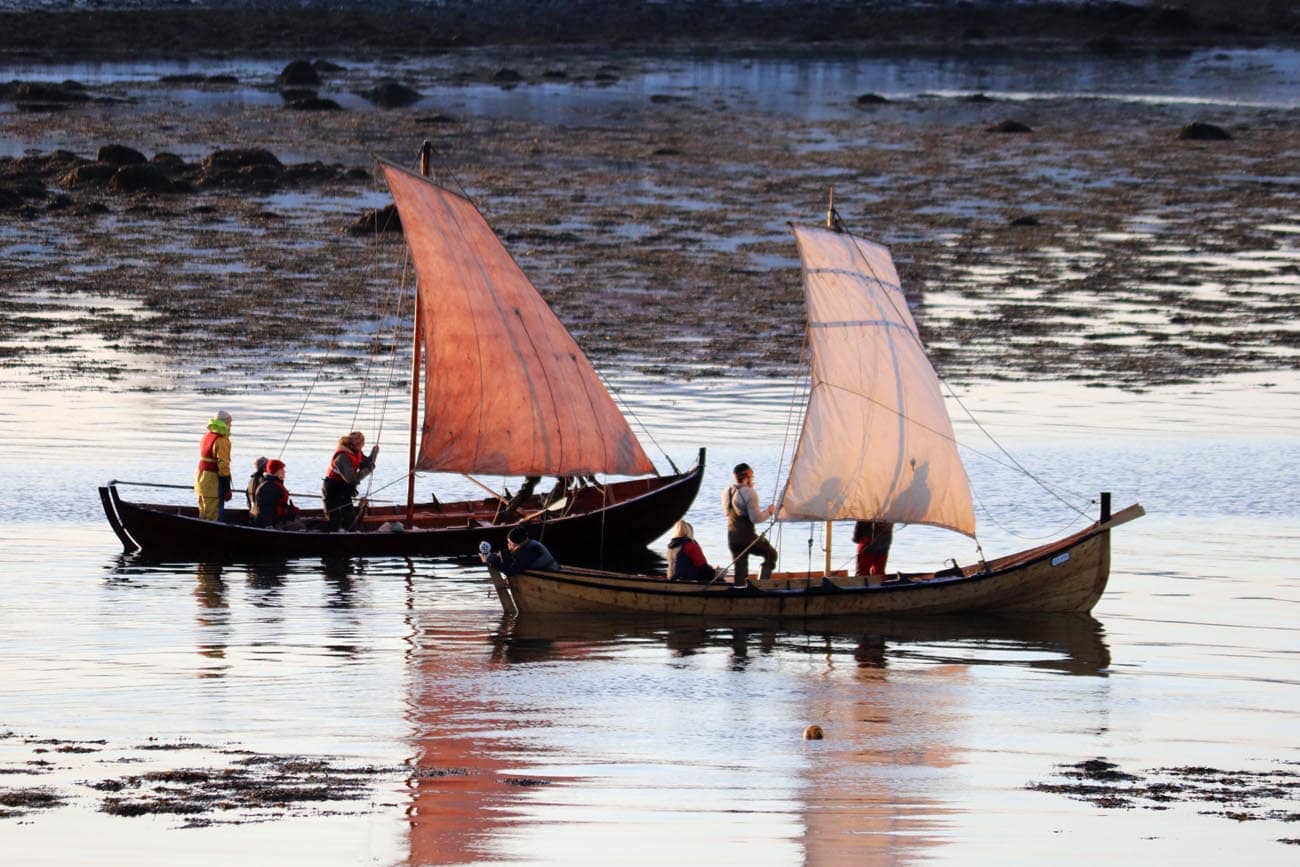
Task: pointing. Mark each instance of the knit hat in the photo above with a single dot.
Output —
(260, 464)
(274, 466)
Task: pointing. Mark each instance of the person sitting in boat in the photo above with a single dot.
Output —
(874, 539)
(274, 507)
(686, 561)
(212, 478)
(740, 504)
(348, 466)
(259, 473)
(521, 553)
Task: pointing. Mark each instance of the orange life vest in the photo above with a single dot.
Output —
(353, 456)
(208, 452)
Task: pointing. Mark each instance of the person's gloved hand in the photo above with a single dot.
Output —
(374, 453)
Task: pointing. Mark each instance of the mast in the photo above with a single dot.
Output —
(426, 152)
(832, 222)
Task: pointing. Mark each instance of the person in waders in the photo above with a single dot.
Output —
(740, 504)
(212, 478)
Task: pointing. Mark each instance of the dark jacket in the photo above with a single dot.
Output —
(874, 537)
(530, 555)
(273, 504)
(686, 561)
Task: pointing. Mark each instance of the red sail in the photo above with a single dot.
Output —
(507, 390)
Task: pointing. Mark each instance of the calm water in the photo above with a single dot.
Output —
(651, 743)
(558, 743)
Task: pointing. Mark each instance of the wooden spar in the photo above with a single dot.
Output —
(830, 224)
(426, 151)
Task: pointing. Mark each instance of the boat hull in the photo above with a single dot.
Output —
(1067, 576)
(623, 514)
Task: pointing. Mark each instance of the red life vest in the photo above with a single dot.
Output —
(208, 452)
(353, 456)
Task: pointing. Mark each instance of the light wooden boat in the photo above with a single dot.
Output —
(876, 444)
(1066, 576)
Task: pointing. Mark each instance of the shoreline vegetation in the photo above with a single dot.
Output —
(1105, 28)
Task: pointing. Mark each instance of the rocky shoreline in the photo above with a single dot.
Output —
(257, 30)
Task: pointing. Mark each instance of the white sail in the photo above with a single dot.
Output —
(877, 442)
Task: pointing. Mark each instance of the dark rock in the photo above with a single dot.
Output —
(140, 178)
(391, 94)
(1013, 126)
(189, 78)
(88, 175)
(665, 98)
(44, 92)
(241, 158)
(380, 221)
(871, 99)
(168, 163)
(290, 94)
(326, 66)
(11, 199)
(300, 73)
(243, 168)
(978, 97)
(605, 78)
(666, 152)
(1107, 45)
(505, 75)
(555, 74)
(436, 118)
(1203, 132)
(314, 103)
(119, 155)
(223, 79)
(1025, 220)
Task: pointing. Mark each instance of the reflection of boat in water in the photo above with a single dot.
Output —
(507, 392)
(1066, 643)
(877, 444)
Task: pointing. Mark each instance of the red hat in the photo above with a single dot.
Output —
(274, 466)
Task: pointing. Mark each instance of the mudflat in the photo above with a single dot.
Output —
(205, 201)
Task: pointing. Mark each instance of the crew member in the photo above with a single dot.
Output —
(348, 466)
(740, 503)
(212, 478)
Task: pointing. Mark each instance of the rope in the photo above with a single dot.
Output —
(1016, 464)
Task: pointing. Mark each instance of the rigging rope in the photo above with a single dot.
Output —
(1016, 464)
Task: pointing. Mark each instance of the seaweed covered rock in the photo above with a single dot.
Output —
(391, 94)
(1203, 132)
(119, 155)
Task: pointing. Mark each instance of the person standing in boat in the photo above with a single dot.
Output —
(686, 561)
(874, 539)
(521, 553)
(212, 478)
(348, 466)
(274, 507)
(740, 504)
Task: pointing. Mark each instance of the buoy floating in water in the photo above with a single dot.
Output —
(812, 733)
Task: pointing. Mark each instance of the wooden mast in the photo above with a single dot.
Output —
(426, 152)
(831, 219)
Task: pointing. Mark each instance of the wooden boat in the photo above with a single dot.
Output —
(507, 392)
(876, 444)
(635, 511)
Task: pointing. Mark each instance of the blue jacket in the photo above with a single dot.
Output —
(530, 555)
